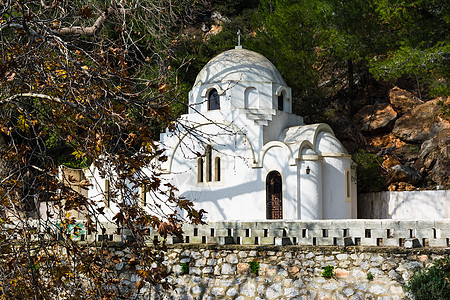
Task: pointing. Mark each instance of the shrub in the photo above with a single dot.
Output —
(184, 268)
(328, 272)
(432, 283)
(369, 276)
(369, 171)
(254, 267)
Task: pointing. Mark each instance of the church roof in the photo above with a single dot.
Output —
(239, 65)
(320, 137)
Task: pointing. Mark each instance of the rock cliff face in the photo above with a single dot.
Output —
(411, 136)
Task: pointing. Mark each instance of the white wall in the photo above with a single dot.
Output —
(405, 205)
(334, 203)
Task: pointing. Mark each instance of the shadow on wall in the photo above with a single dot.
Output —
(404, 205)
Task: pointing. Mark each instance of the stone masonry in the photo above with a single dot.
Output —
(287, 272)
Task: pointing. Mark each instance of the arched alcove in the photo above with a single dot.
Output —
(251, 98)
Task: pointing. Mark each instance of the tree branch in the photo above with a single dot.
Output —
(91, 30)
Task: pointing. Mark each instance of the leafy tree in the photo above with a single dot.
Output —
(419, 47)
(88, 81)
(287, 37)
(325, 47)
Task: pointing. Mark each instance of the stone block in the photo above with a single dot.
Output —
(348, 241)
(281, 241)
(412, 243)
(172, 239)
(425, 224)
(325, 241)
(259, 232)
(438, 242)
(226, 240)
(219, 231)
(305, 241)
(390, 242)
(195, 239)
(266, 241)
(368, 241)
(248, 241)
(278, 232)
(212, 239)
(248, 225)
(336, 232)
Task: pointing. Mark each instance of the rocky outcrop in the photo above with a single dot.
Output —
(375, 118)
(401, 186)
(401, 173)
(434, 158)
(412, 137)
(421, 123)
(403, 101)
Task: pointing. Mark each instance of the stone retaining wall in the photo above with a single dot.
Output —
(288, 272)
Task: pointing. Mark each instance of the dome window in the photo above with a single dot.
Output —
(281, 102)
(213, 100)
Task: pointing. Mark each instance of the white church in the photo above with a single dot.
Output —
(240, 154)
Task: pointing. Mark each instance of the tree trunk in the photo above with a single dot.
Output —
(351, 86)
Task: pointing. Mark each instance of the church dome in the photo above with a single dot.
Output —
(239, 65)
(327, 143)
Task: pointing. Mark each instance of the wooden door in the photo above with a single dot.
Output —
(274, 201)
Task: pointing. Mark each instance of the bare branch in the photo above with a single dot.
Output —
(91, 30)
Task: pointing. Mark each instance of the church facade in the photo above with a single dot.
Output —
(240, 154)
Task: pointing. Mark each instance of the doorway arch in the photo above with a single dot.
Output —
(274, 196)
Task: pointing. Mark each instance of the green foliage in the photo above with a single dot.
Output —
(184, 268)
(254, 267)
(431, 283)
(328, 272)
(417, 42)
(445, 108)
(288, 37)
(369, 276)
(369, 171)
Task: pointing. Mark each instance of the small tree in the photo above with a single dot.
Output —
(431, 283)
(72, 85)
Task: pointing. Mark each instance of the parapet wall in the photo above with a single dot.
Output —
(387, 233)
(286, 259)
(397, 233)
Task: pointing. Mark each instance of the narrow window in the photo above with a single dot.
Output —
(200, 169)
(347, 184)
(208, 163)
(213, 100)
(281, 102)
(107, 193)
(274, 196)
(217, 169)
(144, 195)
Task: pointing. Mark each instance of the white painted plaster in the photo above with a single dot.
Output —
(253, 138)
(406, 205)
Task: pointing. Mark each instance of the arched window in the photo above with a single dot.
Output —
(217, 169)
(107, 193)
(209, 163)
(200, 169)
(348, 187)
(213, 100)
(281, 102)
(274, 200)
